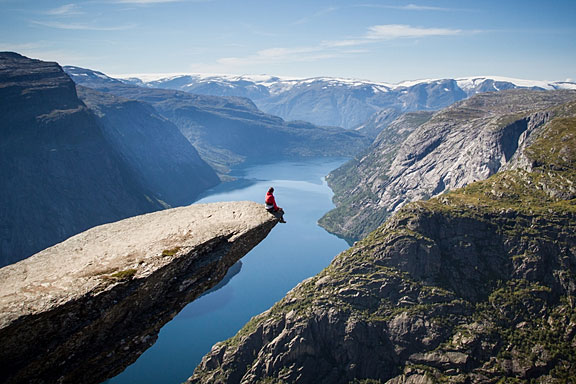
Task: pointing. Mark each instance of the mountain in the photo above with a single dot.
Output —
(73, 159)
(378, 121)
(338, 102)
(60, 175)
(229, 130)
(164, 161)
(420, 156)
(474, 286)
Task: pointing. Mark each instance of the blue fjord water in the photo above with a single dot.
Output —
(291, 253)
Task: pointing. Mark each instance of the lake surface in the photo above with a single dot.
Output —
(291, 253)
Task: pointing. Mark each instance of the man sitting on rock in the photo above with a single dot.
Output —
(272, 207)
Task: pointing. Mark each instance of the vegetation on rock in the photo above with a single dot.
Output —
(127, 274)
(170, 252)
(476, 285)
(414, 159)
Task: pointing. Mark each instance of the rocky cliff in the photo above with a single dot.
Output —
(419, 156)
(163, 160)
(84, 309)
(475, 286)
(60, 175)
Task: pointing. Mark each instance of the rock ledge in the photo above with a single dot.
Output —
(84, 309)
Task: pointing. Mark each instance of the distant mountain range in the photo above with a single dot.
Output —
(339, 102)
(228, 130)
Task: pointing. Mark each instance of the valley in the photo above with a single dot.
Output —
(456, 198)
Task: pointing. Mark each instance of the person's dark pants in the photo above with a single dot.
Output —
(279, 213)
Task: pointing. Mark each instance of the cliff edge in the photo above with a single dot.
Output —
(84, 309)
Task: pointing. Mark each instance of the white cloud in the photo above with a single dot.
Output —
(344, 43)
(336, 48)
(396, 31)
(408, 7)
(65, 10)
(414, 7)
(82, 27)
(377, 33)
(145, 2)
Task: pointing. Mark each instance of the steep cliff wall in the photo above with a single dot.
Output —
(59, 174)
(475, 286)
(84, 309)
(468, 141)
(163, 160)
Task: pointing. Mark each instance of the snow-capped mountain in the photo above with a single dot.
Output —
(335, 101)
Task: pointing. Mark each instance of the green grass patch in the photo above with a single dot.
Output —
(170, 252)
(126, 274)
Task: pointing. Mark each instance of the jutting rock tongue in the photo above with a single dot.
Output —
(83, 310)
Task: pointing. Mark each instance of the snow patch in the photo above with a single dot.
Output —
(277, 85)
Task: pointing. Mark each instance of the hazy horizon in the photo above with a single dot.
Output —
(383, 41)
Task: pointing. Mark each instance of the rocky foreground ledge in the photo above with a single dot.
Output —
(84, 309)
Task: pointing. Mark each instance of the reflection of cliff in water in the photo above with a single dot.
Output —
(289, 255)
(204, 305)
(232, 271)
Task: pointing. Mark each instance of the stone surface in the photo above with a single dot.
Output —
(60, 175)
(82, 310)
(422, 157)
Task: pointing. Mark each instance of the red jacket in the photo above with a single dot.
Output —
(270, 201)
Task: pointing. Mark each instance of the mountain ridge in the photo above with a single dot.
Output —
(60, 175)
(271, 80)
(229, 130)
(163, 160)
(341, 102)
(468, 141)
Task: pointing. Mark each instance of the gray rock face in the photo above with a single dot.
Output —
(378, 122)
(60, 175)
(84, 309)
(475, 286)
(163, 160)
(468, 141)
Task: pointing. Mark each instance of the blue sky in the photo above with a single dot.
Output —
(377, 40)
